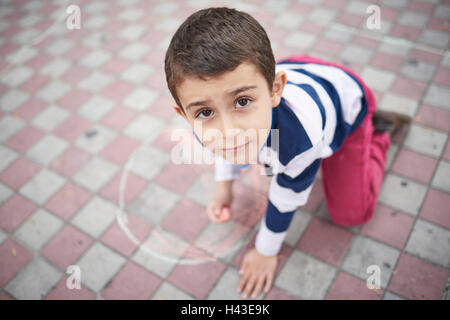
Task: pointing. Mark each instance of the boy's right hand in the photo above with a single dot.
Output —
(218, 210)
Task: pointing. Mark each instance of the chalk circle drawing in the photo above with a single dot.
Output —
(223, 239)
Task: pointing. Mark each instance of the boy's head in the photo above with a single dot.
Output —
(220, 70)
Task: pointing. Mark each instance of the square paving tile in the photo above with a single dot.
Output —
(366, 252)
(99, 265)
(305, 277)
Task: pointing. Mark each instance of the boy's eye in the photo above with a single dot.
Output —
(205, 112)
(239, 101)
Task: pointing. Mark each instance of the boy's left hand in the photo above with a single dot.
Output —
(257, 270)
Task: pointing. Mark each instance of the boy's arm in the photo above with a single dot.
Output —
(287, 191)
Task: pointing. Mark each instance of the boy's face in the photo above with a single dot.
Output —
(231, 114)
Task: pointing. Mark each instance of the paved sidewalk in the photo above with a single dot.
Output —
(75, 105)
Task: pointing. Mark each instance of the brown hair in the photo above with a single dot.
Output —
(213, 41)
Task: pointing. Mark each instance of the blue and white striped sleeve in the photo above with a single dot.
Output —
(286, 194)
(291, 188)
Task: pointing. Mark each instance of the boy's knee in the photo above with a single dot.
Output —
(350, 217)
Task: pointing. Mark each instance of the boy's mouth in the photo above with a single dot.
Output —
(236, 149)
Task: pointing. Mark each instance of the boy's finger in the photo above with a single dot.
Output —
(258, 287)
(268, 283)
(212, 216)
(249, 286)
(225, 214)
(243, 281)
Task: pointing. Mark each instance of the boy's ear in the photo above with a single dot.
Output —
(278, 86)
(179, 111)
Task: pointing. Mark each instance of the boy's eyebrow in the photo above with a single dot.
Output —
(241, 89)
(232, 93)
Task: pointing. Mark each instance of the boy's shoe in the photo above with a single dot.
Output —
(390, 122)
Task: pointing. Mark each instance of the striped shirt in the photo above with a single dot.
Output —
(320, 106)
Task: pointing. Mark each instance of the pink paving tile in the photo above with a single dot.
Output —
(387, 61)
(115, 65)
(329, 47)
(153, 36)
(9, 33)
(117, 90)
(74, 99)
(14, 211)
(325, 241)
(334, 4)
(132, 283)
(38, 61)
(13, 257)
(425, 56)
(114, 26)
(75, 75)
(439, 24)
(178, 177)
(163, 107)
(407, 163)
(389, 14)
(68, 200)
(116, 238)
(120, 149)
(66, 247)
(187, 219)
(61, 292)
(30, 108)
(347, 287)
(197, 279)
(134, 185)
(301, 8)
(422, 7)
(352, 20)
(70, 161)
(284, 253)
(118, 118)
(442, 77)
(72, 128)
(365, 42)
(389, 226)
(19, 172)
(5, 296)
(406, 32)
(154, 57)
(435, 208)
(164, 140)
(276, 294)
(45, 42)
(79, 51)
(312, 28)
(25, 139)
(35, 83)
(115, 44)
(276, 33)
(264, 17)
(249, 206)
(412, 88)
(283, 52)
(158, 81)
(418, 280)
(433, 117)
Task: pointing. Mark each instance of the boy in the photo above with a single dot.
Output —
(221, 72)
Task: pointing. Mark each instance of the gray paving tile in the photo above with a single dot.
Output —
(365, 252)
